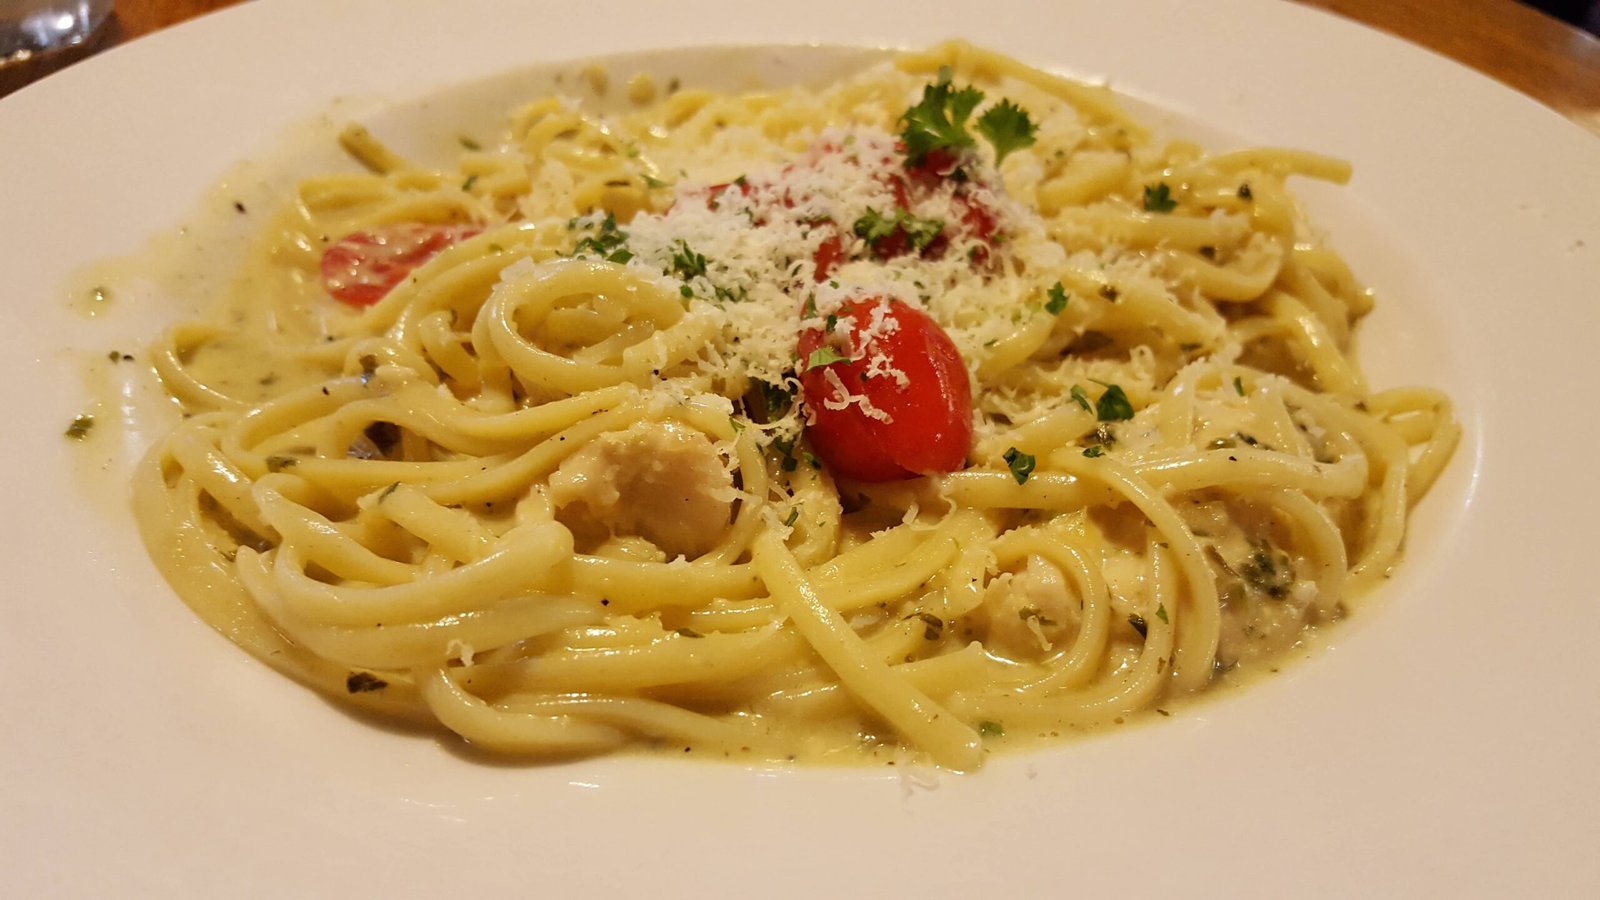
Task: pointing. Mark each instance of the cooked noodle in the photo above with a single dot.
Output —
(553, 492)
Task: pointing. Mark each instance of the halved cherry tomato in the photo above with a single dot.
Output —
(363, 267)
(926, 423)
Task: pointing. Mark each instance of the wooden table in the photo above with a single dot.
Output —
(1544, 58)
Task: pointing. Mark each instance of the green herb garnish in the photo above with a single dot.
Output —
(1159, 198)
(773, 401)
(823, 356)
(80, 427)
(1269, 571)
(1057, 299)
(686, 263)
(1113, 405)
(1030, 612)
(362, 682)
(1021, 464)
(874, 227)
(1006, 127)
(607, 243)
(279, 463)
(939, 121)
(933, 625)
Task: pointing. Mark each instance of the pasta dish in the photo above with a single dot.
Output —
(939, 409)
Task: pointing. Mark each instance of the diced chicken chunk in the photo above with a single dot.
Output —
(656, 480)
(1031, 612)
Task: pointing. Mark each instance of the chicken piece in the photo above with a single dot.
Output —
(656, 480)
(1031, 612)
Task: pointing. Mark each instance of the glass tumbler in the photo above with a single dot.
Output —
(31, 27)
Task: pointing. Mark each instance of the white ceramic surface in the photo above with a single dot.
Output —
(1444, 746)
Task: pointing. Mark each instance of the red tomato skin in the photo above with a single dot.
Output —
(364, 266)
(828, 256)
(930, 417)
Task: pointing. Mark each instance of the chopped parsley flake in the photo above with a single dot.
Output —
(875, 228)
(1021, 464)
(1057, 299)
(686, 263)
(1269, 571)
(1113, 405)
(1238, 385)
(823, 356)
(1095, 452)
(1081, 397)
(607, 243)
(991, 729)
(363, 682)
(1159, 198)
(79, 429)
(279, 463)
(934, 626)
(768, 403)
(1030, 612)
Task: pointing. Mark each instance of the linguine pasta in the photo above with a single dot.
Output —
(555, 482)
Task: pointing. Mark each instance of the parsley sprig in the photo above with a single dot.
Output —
(1006, 127)
(939, 122)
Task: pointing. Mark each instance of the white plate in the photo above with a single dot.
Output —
(1444, 747)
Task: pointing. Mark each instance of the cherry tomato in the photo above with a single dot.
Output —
(829, 254)
(364, 266)
(926, 421)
